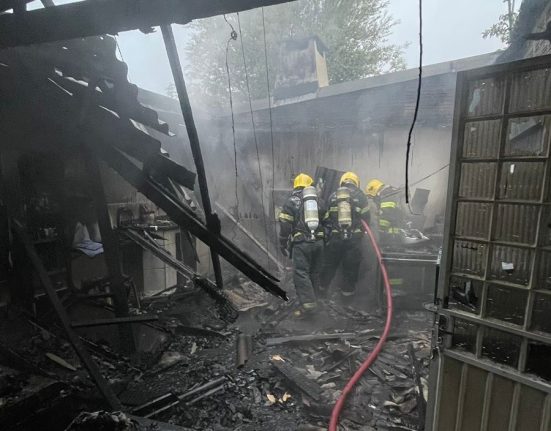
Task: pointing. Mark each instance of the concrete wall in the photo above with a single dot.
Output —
(363, 130)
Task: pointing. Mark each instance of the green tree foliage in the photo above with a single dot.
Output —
(355, 32)
(503, 28)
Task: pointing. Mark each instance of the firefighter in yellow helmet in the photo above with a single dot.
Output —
(391, 217)
(347, 207)
(301, 237)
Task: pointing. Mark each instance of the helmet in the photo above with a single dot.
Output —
(303, 180)
(350, 177)
(373, 187)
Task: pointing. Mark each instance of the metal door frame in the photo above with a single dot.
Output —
(441, 339)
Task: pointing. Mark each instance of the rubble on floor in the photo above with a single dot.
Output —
(293, 372)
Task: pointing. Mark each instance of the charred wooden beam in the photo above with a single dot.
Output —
(171, 169)
(298, 380)
(108, 100)
(97, 17)
(310, 337)
(213, 223)
(73, 338)
(184, 216)
(111, 251)
(208, 286)
(115, 321)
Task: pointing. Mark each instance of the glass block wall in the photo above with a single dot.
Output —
(499, 276)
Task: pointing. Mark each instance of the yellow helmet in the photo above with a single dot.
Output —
(373, 187)
(303, 180)
(350, 177)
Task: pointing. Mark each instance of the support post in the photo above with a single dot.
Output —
(111, 252)
(213, 223)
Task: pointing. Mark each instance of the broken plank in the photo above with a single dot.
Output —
(298, 380)
(60, 361)
(115, 321)
(310, 337)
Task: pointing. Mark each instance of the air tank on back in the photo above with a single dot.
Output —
(311, 215)
(344, 210)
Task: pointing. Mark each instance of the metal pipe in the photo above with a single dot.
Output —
(202, 388)
(174, 400)
(206, 394)
(436, 276)
(401, 259)
(212, 221)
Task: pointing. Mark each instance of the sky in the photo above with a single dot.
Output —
(451, 30)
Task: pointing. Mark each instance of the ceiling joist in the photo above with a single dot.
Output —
(98, 17)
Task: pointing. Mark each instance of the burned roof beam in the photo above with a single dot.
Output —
(213, 223)
(98, 17)
(183, 216)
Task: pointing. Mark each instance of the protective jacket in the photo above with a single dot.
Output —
(360, 211)
(391, 217)
(291, 220)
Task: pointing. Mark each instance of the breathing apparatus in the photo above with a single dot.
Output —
(311, 214)
(344, 211)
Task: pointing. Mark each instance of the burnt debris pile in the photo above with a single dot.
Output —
(194, 370)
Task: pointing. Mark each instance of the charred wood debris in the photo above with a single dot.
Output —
(203, 370)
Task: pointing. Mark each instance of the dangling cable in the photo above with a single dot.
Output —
(416, 111)
(233, 36)
(254, 134)
(270, 112)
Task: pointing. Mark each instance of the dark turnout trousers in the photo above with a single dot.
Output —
(307, 261)
(349, 253)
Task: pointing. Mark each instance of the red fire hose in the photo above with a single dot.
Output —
(334, 422)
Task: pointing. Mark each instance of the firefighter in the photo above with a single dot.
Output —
(301, 238)
(391, 217)
(347, 207)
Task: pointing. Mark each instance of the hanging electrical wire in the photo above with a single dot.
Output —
(419, 181)
(233, 36)
(254, 132)
(270, 111)
(416, 111)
